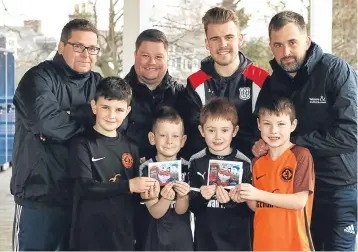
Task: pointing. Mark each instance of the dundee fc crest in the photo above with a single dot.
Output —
(245, 93)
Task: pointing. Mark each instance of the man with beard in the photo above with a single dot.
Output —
(323, 88)
(225, 73)
(152, 87)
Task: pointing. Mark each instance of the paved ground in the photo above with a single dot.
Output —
(6, 211)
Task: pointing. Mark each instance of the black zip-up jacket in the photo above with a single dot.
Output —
(50, 102)
(144, 104)
(324, 92)
(241, 88)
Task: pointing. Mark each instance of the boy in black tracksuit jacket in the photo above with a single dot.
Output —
(220, 224)
(104, 167)
(165, 221)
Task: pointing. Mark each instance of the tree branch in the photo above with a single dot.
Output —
(14, 30)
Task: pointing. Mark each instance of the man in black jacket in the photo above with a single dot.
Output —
(49, 104)
(323, 88)
(152, 87)
(226, 73)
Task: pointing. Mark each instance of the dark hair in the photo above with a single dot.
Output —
(219, 108)
(152, 35)
(76, 25)
(277, 106)
(219, 15)
(114, 88)
(283, 18)
(166, 114)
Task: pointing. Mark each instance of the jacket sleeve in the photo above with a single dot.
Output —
(341, 136)
(40, 110)
(247, 175)
(81, 173)
(190, 107)
(197, 203)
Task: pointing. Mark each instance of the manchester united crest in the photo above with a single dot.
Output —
(127, 160)
(245, 93)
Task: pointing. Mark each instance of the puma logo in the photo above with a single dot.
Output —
(202, 175)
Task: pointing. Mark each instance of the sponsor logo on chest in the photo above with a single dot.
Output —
(215, 204)
(320, 100)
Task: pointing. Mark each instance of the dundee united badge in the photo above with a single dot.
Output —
(127, 160)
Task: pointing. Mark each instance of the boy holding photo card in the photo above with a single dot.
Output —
(104, 169)
(283, 183)
(220, 224)
(168, 227)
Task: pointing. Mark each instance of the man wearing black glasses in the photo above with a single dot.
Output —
(49, 104)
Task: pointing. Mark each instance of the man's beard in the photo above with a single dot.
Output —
(293, 67)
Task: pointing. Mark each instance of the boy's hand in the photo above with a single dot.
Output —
(249, 192)
(222, 195)
(168, 192)
(181, 188)
(141, 184)
(207, 191)
(152, 193)
(235, 194)
(260, 148)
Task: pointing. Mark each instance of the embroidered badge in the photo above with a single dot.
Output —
(127, 160)
(245, 93)
(286, 174)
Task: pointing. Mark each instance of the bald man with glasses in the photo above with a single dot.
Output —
(50, 103)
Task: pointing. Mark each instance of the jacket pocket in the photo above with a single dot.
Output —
(35, 184)
(350, 163)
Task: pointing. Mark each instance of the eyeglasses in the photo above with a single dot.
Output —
(81, 48)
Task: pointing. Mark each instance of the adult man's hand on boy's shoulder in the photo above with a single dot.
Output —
(207, 191)
(260, 148)
(141, 184)
(222, 195)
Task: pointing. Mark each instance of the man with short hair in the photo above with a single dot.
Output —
(152, 87)
(49, 104)
(323, 88)
(225, 73)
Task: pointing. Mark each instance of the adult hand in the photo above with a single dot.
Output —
(207, 191)
(222, 195)
(260, 148)
(168, 192)
(141, 184)
(182, 189)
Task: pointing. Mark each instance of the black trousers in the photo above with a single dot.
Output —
(334, 218)
(37, 229)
